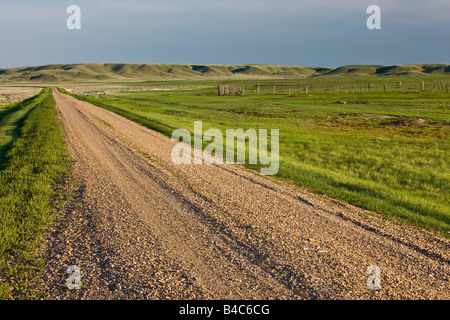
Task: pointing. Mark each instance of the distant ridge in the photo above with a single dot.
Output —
(148, 71)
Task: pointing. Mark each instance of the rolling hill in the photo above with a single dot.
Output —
(147, 71)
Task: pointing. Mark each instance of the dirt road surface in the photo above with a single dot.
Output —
(140, 227)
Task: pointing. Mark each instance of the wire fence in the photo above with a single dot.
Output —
(343, 88)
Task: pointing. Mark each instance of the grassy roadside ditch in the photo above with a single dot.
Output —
(35, 159)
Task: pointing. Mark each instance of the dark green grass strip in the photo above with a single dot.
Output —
(11, 120)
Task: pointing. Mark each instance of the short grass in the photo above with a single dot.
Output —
(34, 160)
(343, 150)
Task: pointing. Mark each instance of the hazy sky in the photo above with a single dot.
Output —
(327, 33)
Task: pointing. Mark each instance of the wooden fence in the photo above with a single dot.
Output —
(230, 89)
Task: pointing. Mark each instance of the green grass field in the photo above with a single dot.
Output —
(33, 155)
(338, 138)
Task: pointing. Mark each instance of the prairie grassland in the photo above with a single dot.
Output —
(108, 72)
(366, 149)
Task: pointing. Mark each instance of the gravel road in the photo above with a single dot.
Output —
(140, 227)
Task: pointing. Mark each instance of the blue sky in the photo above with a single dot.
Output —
(325, 33)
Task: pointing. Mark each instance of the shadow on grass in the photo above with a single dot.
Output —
(14, 133)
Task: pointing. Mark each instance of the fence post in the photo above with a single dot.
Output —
(275, 85)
